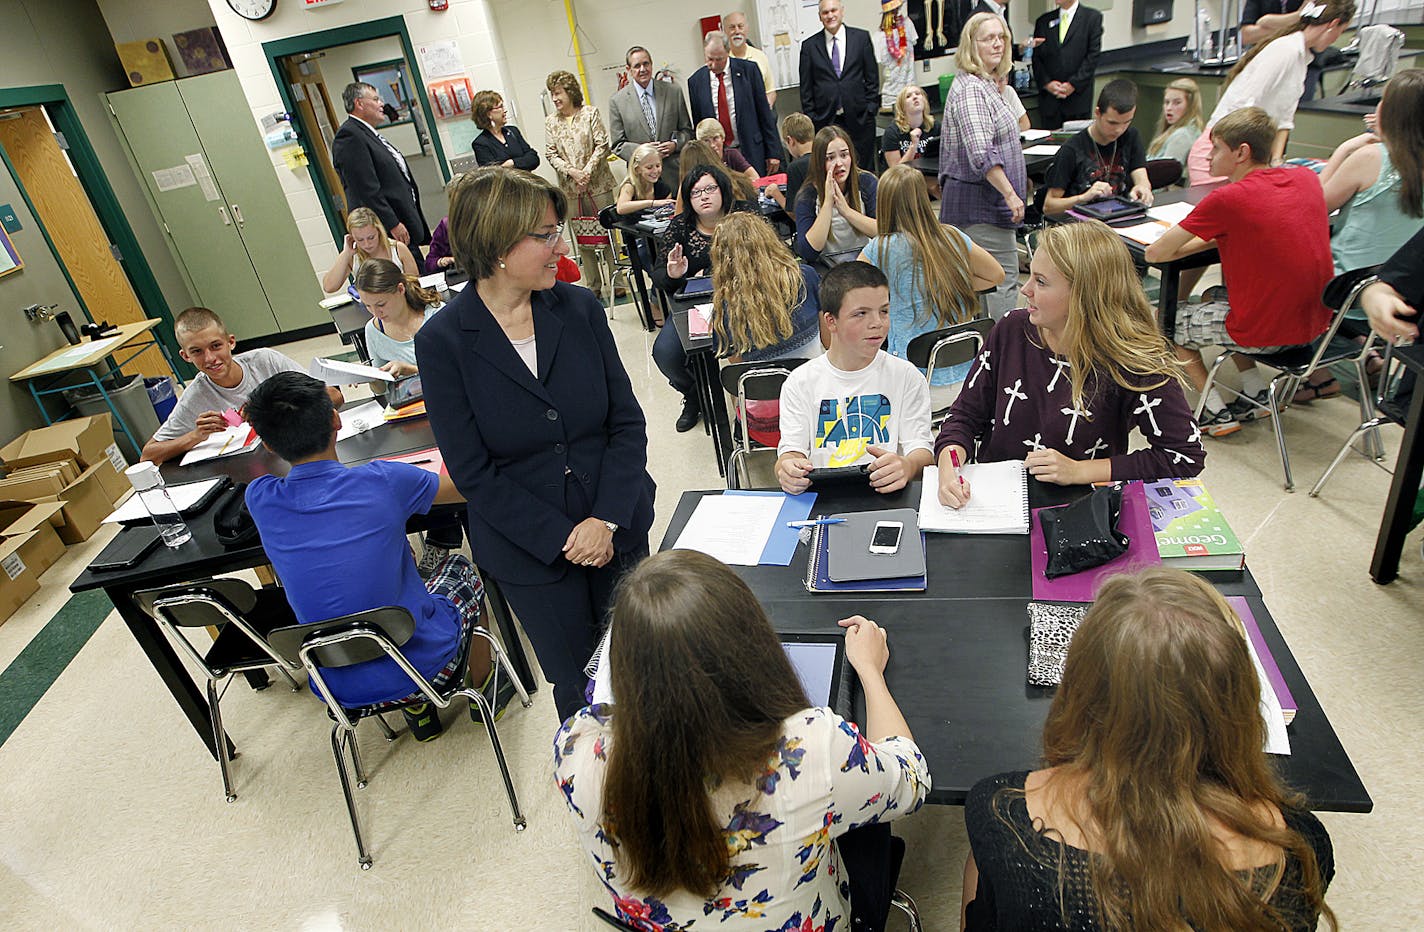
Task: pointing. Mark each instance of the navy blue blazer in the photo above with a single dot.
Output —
(371, 177)
(514, 444)
(757, 138)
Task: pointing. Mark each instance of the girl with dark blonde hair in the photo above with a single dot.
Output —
(1062, 383)
(1157, 808)
(366, 238)
(1180, 123)
(835, 212)
(710, 787)
(935, 271)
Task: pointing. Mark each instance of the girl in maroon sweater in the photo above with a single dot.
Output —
(1061, 383)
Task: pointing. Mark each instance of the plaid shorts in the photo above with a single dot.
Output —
(1203, 325)
(456, 580)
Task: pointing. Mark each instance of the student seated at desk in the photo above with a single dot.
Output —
(1270, 227)
(1179, 125)
(336, 537)
(857, 403)
(699, 154)
(934, 269)
(644, 188)
(1060, 384)
(366, 238)
(1157, 808)
(1102, 160)
(835, 213)
(223, 383)
(797, 134)
(710, 790)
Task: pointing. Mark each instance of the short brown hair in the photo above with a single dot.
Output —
(485, 102)
(798, 126)
(570, 84)
(842, 279)
(491, 209)
(1251, 126)
(197, 318)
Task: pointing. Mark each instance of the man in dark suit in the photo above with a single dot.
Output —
(840, 81)
(373, 172)
(648, 111)
(1068, 38)
(746, 119)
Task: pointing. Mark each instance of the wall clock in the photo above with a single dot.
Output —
(253, 9)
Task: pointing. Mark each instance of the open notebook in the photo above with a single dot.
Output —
(998, 501)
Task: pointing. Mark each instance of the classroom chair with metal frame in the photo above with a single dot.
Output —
(1163, 173)
(369, 635)
(947, 346)
(243, 617)
(752, 381)
(615, 262)
(1292, 365)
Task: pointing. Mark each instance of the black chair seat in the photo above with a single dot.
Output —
(1339, 288)
(233, 650)
(1298, 357)
(1163, 173)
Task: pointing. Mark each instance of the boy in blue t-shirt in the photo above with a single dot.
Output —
(336, 537)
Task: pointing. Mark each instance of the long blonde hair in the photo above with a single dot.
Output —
(938, 257)
(1156, 734)
(1111, 325)
(1192, 116)
(366, 217)
(902, 119)
(756, 282)
(642, 191)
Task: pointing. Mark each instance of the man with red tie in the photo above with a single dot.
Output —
(840, 81)
(732, 92)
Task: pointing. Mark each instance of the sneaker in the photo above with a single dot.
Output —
(1218, 423)
(691, 411)
(498, 690)
(430, 558)
(1244, 410)
(423, 721)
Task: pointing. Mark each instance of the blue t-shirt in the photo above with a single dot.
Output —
(910, 314)
(336, 537)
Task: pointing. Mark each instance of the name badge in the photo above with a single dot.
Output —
(1053, 24)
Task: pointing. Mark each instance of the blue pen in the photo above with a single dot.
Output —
(815, 522)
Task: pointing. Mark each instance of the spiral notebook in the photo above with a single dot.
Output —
(818, 571)
(998, 501)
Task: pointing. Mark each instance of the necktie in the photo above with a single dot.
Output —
(1062, 27)
(395, 154)
(647, 98)
(836, 54)
(724, 109)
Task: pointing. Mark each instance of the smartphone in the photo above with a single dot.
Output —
(126, 550)
(886, 538)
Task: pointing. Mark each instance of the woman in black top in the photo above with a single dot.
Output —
(499, 143)
(1157, 808)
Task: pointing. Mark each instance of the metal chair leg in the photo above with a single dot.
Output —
(477, 698)
(338, 737)
(901, 901)
(296, 687)
(1368, 428)
(1209, 384)
(216, 709)
(1280, 431)
(361, 780)
(497, 653)
(385, 727)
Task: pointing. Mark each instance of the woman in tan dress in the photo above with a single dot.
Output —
(576, 145)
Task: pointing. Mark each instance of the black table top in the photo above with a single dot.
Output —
(958, 660)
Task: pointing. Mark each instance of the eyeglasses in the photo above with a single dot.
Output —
(707, 190)
(549, 239)
(997, 38)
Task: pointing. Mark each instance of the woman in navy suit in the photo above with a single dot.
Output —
(537, 422)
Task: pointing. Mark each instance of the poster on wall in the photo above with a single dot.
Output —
(441, 59)
(9, 258)
(782, 24)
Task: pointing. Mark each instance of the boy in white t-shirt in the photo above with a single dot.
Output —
(856, 403)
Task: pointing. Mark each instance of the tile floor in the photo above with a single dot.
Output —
(112, 816)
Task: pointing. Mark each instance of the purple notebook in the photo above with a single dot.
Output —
(1268, 663)
(1135, 521)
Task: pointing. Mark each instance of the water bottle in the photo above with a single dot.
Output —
(148, 485)
(1028, 64)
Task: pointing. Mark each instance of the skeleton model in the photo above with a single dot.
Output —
(783, 50)
(934, 25)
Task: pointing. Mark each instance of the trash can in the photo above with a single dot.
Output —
(162, 396)
(130, 398)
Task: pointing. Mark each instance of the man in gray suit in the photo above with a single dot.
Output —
(648, 111)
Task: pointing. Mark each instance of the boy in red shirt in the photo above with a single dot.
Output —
(1270, 226)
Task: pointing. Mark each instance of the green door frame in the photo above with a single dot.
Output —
(56, 103)
(346, 35)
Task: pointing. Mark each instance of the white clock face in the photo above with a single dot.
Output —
(253, 9)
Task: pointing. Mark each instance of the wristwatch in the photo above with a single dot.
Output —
(612, 528)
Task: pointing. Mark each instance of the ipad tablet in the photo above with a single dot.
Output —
(126, 550)
(1109, 209)
(820, 664)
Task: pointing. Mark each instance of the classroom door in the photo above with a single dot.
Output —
(317, 117)
(62, 205)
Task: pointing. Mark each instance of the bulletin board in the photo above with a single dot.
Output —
(10, 260)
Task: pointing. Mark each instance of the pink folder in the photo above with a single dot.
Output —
(1135, 521)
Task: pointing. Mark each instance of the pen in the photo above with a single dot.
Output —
(223, 449)
(419, 462)
(815, 522)
(954, 461)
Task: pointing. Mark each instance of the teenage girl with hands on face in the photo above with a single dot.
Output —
(366, 238)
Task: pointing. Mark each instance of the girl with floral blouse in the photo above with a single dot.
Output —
(711, 794)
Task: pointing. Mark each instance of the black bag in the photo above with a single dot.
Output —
(1084, 534)
(233, 522)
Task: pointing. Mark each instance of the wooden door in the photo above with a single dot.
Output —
(63, 207)
(319, 120)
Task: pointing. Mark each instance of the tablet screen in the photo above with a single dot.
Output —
(815, 666)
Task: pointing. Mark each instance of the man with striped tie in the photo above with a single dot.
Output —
(373, 172)
(648, 111)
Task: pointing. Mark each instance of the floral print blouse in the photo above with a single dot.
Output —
(823, 779)
(579, 141)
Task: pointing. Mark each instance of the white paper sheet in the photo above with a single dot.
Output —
(1144, 233)
(1042, 149)
(732, 528)
(1034, 135)
(1170, 213)
(234, 440)
(998, 501)
(78, 352)
(184, 495)
(1277, 740)
(360, 419)
(434, 280)
(336, 372)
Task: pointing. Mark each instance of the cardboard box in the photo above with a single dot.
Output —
(18, 580)
(36, 483)
(89, 440)
(38, 523)
(85, 505)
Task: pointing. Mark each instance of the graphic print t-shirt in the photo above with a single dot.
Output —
(833, 416)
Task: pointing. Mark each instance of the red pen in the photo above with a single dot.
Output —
(954, 461)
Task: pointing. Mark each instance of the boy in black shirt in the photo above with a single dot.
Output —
(1105, 159)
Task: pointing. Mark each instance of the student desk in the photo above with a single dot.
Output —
(1408, 469)
(95, 359)
(631, 234)
(706, 374)
(959, 653)
(204, 556)
(1035, 166)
